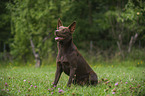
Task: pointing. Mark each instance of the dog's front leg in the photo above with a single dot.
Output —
(57, 74)
(71, 75)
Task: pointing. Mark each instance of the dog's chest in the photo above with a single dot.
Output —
(63, 61)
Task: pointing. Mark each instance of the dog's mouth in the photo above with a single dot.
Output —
(59, 38)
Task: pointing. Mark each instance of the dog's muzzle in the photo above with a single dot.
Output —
(58, 38)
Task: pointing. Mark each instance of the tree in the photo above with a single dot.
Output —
(102, 24)
(126, 25)
(31, 20)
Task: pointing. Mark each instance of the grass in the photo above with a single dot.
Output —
(113, 81)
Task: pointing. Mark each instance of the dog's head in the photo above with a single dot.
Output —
(64, 33)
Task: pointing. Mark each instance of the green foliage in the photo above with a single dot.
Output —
(124, 81)
(4, 24)
(32, 19)
(104, 23)
(98, 21)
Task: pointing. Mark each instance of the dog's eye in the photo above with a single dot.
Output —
(64, 30)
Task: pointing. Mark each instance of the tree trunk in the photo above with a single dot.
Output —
(119, 43)
(36, 55)
(132, 41)
(121, 52)
(38, 60)
(91, 46)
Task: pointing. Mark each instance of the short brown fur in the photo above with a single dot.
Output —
(69, 60)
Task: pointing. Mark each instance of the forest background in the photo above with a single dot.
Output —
(106, 30)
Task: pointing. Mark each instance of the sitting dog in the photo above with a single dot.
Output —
(69, 60)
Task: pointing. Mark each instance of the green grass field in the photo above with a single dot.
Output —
(113, 81)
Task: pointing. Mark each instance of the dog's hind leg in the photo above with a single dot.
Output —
(93, 79)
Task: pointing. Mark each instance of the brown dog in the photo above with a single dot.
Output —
(69, 60)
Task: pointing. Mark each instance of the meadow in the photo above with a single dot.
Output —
(114, 80)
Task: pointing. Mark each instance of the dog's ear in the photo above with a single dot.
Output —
(59, 23)
(72, 27)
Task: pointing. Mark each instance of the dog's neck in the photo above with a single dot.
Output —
(64, 46)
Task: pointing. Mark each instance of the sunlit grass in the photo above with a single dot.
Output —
(113, 80)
